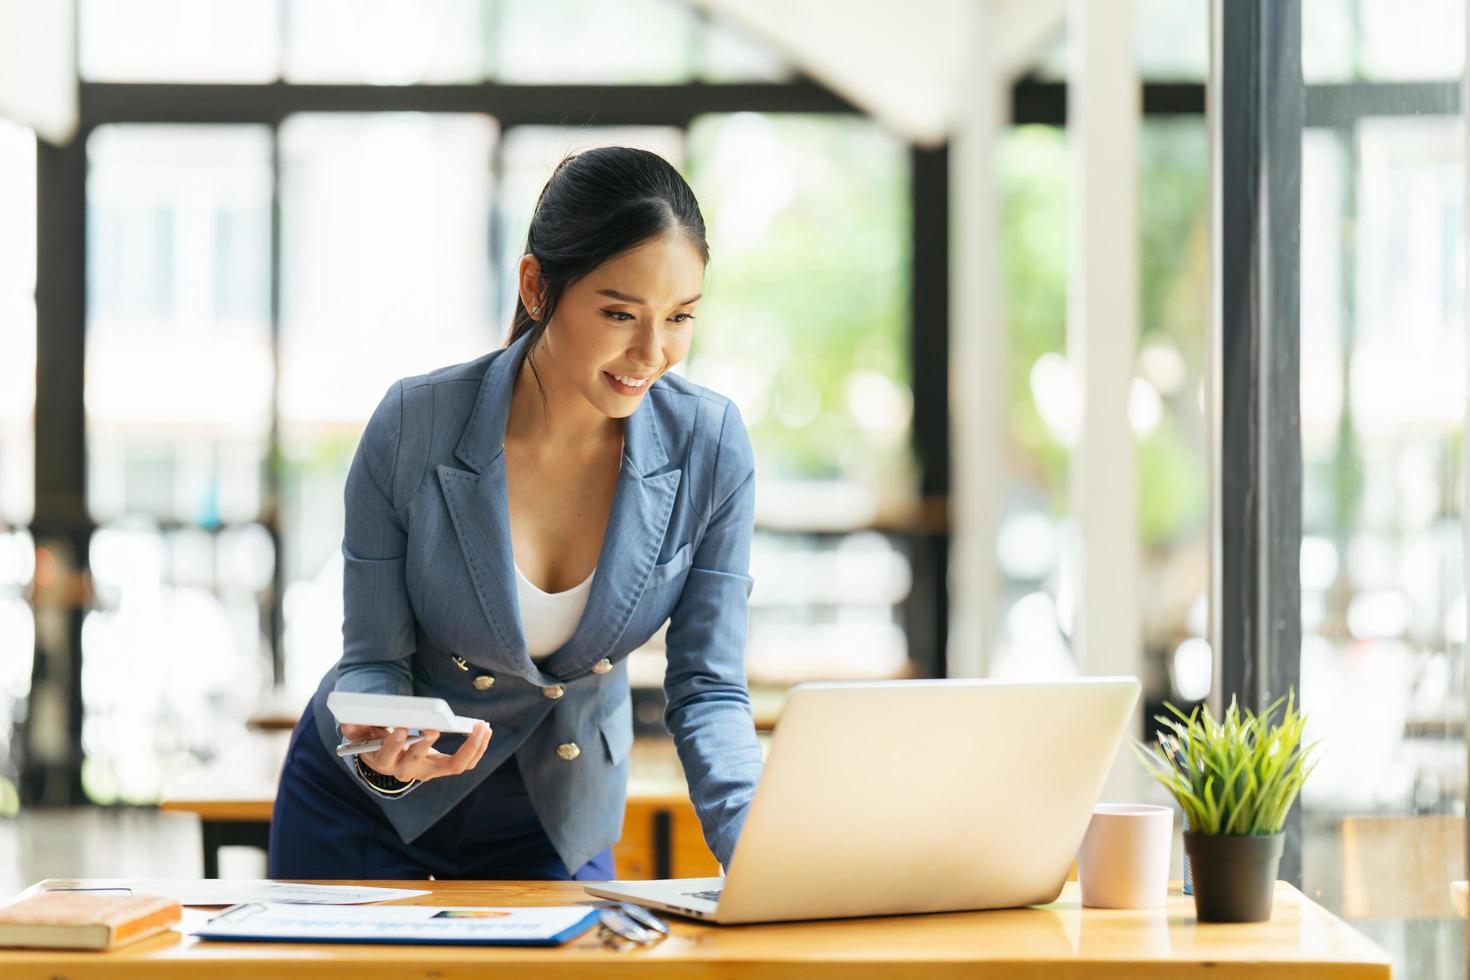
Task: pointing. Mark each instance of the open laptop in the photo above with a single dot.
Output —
(896, 797)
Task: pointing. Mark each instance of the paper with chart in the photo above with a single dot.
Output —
(273, 922)
(230, 891)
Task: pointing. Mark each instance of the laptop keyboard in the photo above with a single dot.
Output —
(712, 895)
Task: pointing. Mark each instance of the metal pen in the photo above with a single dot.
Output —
(347, 749)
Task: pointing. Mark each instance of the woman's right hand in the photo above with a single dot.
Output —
(418, 761)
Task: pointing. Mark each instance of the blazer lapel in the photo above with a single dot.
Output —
(479, 509)
(641, 506)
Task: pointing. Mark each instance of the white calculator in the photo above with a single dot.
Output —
(397, 711)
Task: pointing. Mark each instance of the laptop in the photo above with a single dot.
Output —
(898, 797)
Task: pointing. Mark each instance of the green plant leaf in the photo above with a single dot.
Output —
(1241, 771)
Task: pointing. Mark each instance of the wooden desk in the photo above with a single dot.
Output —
(1301, 941)
(662, 837)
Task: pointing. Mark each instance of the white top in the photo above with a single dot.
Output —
(550, 618)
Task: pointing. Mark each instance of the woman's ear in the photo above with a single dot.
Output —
(529, 279)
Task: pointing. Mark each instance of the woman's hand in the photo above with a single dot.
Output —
(418, 761)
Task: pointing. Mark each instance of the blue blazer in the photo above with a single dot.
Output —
(431, 608)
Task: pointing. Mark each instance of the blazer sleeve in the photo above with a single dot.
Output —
(707, 701)
(377, 619)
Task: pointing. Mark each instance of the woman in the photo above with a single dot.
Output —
(515, 527)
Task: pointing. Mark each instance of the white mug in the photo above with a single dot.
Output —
(1124, 860)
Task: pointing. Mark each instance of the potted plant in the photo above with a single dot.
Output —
(1235, 778)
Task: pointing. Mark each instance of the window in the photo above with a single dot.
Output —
(384, 274)
(633, 41)
(178, 394)
(17, 324)
(1382, 559)
(804, 328)
(17, 437)
(392, 42)
(387, 42)
(178, 40)
(1166, 407)
(178, 334)
(1350, 40)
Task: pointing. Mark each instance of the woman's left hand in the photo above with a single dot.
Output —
(420, 761)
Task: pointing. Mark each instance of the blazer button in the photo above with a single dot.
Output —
(459, 661)
(484, 682)
(602, 666)
(553, 692)
(568, 750)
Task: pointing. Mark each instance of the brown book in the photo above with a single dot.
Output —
(78, 920)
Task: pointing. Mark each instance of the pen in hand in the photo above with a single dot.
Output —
(407, 758)
(347, 749)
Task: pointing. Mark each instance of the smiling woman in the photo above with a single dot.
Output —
(655, 241)
(516, 526)
(608, 338)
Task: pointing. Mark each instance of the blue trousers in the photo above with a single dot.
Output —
(325, 826)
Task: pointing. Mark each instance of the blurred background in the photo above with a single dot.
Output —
(263, 213)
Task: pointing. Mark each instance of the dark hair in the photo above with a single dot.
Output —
(597, 204)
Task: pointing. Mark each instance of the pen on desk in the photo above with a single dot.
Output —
(1176, 756)
(1168, 751)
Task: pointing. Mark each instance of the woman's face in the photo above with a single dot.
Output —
(623, 324)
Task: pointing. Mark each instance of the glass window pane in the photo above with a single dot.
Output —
(1171, 43)
(179, 40)
(1382, 564)
(387, 41)
(1044, 396)
(179, 359)
(1343, 40)
(17, 324)
(827, 607)
(804, 325)
(630, 41)
(178, 393)
(174, 658)
(385, 274)
(1171, 39)
(1166, 408)
(18, 639)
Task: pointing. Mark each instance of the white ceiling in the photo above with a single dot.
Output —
(38, 78)
(903, 63)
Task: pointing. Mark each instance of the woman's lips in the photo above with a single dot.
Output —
(624, 389)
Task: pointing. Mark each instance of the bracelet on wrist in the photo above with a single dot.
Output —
(382, 782)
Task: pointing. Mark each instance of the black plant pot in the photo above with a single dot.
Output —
(1234, 877)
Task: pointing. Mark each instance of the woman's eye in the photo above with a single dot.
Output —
(622, 316)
